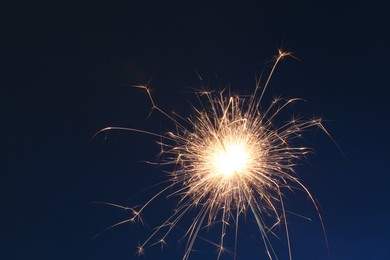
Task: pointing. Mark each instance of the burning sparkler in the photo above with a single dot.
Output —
(229, 159)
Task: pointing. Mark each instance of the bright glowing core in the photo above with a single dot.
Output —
(233, 158)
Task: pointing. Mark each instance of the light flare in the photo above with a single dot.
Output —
(230, 157)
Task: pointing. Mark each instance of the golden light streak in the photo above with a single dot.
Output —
(230, 157)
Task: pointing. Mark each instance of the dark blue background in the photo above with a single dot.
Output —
(66, 75)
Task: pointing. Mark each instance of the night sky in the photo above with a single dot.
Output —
(67, 74)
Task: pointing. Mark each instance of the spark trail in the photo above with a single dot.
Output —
(229, 158)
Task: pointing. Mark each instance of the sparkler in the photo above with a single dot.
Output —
(229, 158)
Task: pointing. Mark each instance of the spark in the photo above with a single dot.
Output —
(230, 157)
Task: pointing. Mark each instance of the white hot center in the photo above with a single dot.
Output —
(233, 159)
